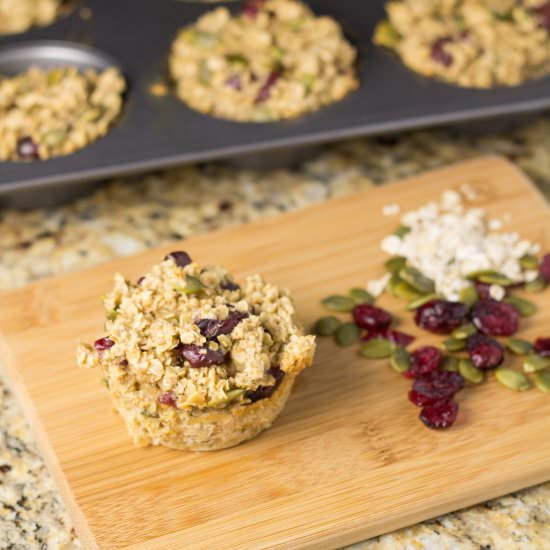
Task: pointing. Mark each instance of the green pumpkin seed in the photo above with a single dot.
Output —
(53, 137)
(386, 35)
(104, 382)
(112, 314)
(326, 326)
(377, 348)
(450, 363)
(525, 307)
(454, 344)
(542, 380)
(229, 396)
(149, 414)
(417, 280)
(192, 285)
(534, 363)
(538, 285)
(342, 304)
(512, 379)
(401, 231)
(400, 359)
(405, 291)
(361, 296)
(347, 334)
(468, 296)
(395, 264)
(469, 372)
(205, 74)
(415, 304)
(529, 262)
(519, 346)
(308, 81)
(495, 278)
(392, 283)
(461, 333)
(237, 60)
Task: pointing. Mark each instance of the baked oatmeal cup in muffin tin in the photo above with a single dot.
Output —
(46, 113)
(471, 43)
(20, 15)
(271, 61)
(194, 361)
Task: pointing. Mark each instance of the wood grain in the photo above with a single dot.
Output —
(346, 460)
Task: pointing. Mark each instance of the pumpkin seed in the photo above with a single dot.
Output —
(519, 346)
(205, 74)
(495, 278)
(461, 333)
(538, 285)
(415, 304)
(229, 396)
(525, 307)
(386, 35)
(401, 231)
(361, 296)
(454, 344)
(53, 137)
(512, 379)
(192, 285)
(529, 262)
(469, 372)
(377, 348)
(400, 359)
(236, 59)
(104, 382)
(491, 274)
(339, 303)
(542, 380)
(149, 414)
(326, 326)
(395, 264)
(417, 279)
(468, 296)
(392, 283)
(346, 335)
(405, 291)
(450, 363)
(534, 363)
(112, 314)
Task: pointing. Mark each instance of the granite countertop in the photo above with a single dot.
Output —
(129, 215)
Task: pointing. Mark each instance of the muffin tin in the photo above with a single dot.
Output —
(160, 131)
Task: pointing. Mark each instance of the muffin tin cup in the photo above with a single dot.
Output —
(160, 131)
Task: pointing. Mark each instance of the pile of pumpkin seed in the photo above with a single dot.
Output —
(410, 284)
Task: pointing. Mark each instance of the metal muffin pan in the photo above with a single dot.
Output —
(156, 132)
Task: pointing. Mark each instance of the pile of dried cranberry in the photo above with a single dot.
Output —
(472, 348)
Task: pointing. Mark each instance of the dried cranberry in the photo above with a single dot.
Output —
(200, 356)
(394, 336)
(542, 346)
(261, 392)
(435, 386)
(234, 81)
(140, 280)
(265, 90)
(544, 268)
(440, 316)
(181, 259)
(225, 205)
(102, 344)
(424, 360)
(212, 328)
(483, 290)
(442, 414)
(229, 285)
(123, 363)
(27, 149)
(168, 398)
(484, 352)
(495, 318)
(371, 318)
(543, 13)
(439, 54)
(251, 8)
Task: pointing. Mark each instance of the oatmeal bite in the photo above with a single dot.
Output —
(194, 361)
(48, 113)
(273, 60)
(20, 15)
(472, 43)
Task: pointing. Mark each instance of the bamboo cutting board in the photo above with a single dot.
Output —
(346, 460)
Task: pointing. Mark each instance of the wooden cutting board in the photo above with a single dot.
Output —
(346, 460)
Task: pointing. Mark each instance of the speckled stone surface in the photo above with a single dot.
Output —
(130, 215)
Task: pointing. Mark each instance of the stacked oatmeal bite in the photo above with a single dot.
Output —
(192, 360)
(273, 60)
(472, 43)
(20, 15)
